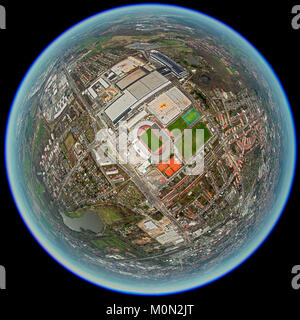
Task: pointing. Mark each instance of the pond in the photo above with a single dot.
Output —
(88, 221)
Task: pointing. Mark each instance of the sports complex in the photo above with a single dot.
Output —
(151, 138)
(188, 143)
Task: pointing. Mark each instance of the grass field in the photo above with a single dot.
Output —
(110, 242)
(38, 136)
(167, 42)
(151, 140)
(191, 116)
(189, 145)
(178, 124)
(69, 142)
(201, 125)
(108, 215)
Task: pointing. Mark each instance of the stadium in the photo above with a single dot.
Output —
(151, 140)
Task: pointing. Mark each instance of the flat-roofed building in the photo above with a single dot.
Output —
(92, 93)
(169, 105)
(136, 94)
(131, 78)
(164, 108)
(150, 225)
(118, 109)
(148, 84)
(179, 98)
(103, 83)
(139, 90)
(177, 69)
(126, 65)
(154, 80)
(167, 237)
(139, 116)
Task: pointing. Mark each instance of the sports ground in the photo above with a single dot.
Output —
(185, 122)
(151, 140)
(191, 116)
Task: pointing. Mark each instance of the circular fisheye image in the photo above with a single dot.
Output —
(150, 149)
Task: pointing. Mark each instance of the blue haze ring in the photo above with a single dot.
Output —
(180, 287)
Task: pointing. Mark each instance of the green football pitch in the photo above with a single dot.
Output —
(191, 116)
(151, 140)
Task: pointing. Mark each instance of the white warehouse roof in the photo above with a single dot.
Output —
(120, 106)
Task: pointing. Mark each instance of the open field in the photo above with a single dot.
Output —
(178, 124)
(109, 215)
(190, 143)
(111, 242)
(201, 125)
(187, 145)
(167, 42)
(69, 142)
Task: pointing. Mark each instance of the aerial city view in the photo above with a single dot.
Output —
(151, 145)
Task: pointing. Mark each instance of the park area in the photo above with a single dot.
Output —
(109, 214)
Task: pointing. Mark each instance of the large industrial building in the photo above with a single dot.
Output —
(169, 105)
(166, 61)
(136, 94)
(127, 65)
(131, 78)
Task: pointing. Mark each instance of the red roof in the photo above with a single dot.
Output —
(174, 164)
(171, 161)
(160, 167)
(169, 172)
(164, 164)
(175, 167)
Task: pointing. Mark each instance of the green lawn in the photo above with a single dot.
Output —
(151, 140)
(168, 42)
(38, 136)
(109, 242)
(69, 142)
(178, 124)
(109, 215)
(187, 145)
(201, 125)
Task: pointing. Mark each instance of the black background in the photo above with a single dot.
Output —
(32, 274)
